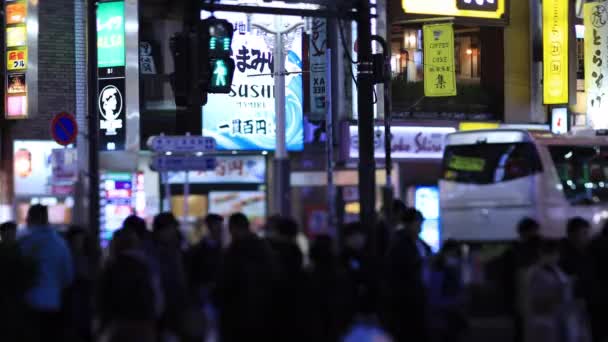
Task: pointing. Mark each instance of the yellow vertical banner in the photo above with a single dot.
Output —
(555, 51)
(439, 70)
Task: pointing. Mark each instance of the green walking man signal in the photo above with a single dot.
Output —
(221, 67)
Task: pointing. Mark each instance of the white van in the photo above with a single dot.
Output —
(492, 179)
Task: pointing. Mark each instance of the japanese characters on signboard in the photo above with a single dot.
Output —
(318, 69)
(408, 142)
(439, 70)
(146, 59)
(111, 75)
(484, 9)
(596, 63)
(16, 60)
(228, 170)
(555, 51)
(244, 119)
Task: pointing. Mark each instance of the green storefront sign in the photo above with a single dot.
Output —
(111, 34)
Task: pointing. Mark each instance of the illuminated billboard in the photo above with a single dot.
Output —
(17, 77)
(244, 119)
(111, 34)
(484, 9)
(555, 51)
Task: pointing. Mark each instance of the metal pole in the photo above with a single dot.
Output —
(93, 141)
(167, 205)
(282, 191)
(185, 222)
(329, 129)
(367, 163)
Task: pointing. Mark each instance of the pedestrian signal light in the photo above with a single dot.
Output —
(219, 66)
(221, 75)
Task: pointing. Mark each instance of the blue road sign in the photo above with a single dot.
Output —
(64, 129)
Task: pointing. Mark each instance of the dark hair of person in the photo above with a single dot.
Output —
(213, 219)
(576, 224)
(411, 215)
(239, 222)
(527, 225)
(163, 221)
(8, 226)
(288, 227)
(38, 215)
(137, 225)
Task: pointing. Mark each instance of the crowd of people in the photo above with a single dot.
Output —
(152, 286)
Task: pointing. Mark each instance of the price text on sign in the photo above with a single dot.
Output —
(16, 59)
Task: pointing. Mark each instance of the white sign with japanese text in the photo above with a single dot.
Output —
(318, 69)
(228, 170)
(596, 63)
(407, 142)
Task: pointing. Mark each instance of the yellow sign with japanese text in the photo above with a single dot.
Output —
(485, 9)
(16, 59)
(555, 51)
(439, 70)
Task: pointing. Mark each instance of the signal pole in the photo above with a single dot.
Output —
(367, 162)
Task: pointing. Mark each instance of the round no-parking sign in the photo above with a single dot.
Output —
(64, 129)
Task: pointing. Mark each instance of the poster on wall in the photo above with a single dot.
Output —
(318, 69)
(250, 203)
(16, 83)
(244, 119)
(16, 59)
(596, 63)
(439, 69)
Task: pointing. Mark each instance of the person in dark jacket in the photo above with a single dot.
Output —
(8, 232)
(247, 286)
(126, 295)
(575, 259)
(290, 262)
(204, 258)
(598, 306)
(405, 299)
(168, 239)
(521, 255)
(330, 295)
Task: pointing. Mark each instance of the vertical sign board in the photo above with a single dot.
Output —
(439, 71)
(244, 119)
(555, 51)
(111, 75)
(596, 63)
(16, 86)
(318, 48)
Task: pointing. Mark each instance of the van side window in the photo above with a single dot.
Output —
(583, 173)
(490, 163)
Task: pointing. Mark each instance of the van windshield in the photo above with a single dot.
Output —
(490, 163)
(583, 172)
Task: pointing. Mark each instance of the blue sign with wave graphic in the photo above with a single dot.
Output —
(244, 119)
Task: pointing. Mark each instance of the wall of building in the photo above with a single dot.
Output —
(517, 64)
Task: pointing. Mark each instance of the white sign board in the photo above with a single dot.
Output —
(33, 179)
(407, 142)
(559, 120)
(596, 63)
(228, 170)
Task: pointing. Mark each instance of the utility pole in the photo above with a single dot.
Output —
(367, 163)
(281, 168)
(93, 138)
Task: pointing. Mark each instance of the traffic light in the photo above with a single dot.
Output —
(216, 43)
